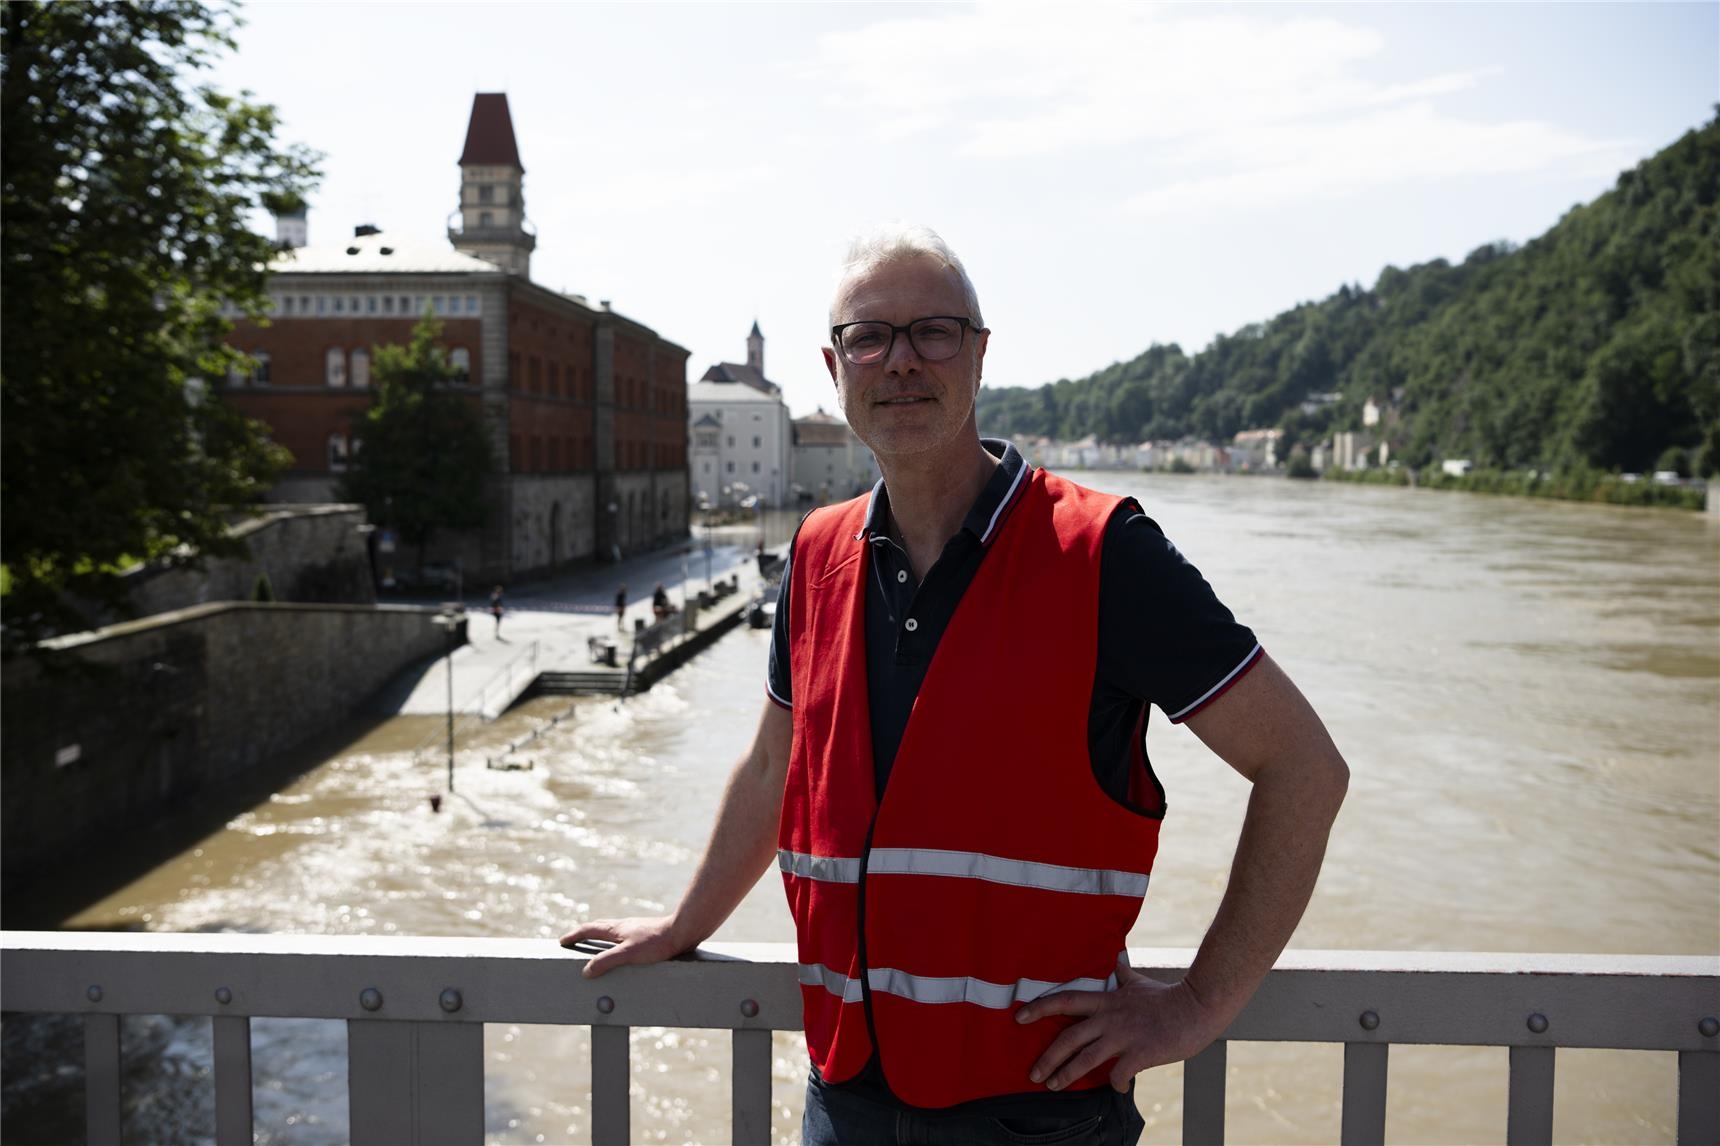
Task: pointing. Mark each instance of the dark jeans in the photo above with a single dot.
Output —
(835, 1117)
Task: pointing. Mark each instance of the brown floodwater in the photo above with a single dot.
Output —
(1528, 694)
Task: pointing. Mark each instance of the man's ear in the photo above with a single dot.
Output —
(830, 362)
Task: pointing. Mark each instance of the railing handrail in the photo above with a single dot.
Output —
(426, 1000)
(515, 973)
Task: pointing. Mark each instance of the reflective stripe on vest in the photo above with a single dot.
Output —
(826, 869)
(944, 989)
(965, 865)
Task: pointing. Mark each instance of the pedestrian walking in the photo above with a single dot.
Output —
(620, 606)
(496, 609)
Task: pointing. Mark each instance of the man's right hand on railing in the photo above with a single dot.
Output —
(618, 942)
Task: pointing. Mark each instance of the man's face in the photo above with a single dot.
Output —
(903, 405)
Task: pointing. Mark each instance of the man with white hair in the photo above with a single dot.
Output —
(950, 769)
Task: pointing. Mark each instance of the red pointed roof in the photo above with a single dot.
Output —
(490, 133)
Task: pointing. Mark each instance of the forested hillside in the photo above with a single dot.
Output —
(1596, 344)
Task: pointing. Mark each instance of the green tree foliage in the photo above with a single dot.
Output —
(126, 193)
(1597, 344)
(421, 453)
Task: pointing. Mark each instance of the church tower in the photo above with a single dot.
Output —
(755, 349)
(492, 222)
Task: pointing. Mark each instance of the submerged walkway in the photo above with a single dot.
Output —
(559, 616)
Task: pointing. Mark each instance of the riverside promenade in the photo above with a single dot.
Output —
(559, 616)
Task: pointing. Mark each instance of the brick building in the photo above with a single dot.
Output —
(586, 407)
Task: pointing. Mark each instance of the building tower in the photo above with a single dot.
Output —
(291, 228)
(491, 223)
(755, 350)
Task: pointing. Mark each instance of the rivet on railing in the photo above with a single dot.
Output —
(1538, 1023)
(1709, 1026)
(749, 1008)
(94, 994)
(370, 999)
(605, 1004)
(451, 1000)
(1370, 1020)
(223, 995)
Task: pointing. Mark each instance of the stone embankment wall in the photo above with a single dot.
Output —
(109, 729)
(311, 553)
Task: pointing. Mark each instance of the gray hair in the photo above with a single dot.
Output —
(900, 242)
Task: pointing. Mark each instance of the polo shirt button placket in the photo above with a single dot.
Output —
(911, 625)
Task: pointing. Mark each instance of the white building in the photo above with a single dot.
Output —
(829, 463)
(741, 433)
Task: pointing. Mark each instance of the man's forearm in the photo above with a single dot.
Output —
(742, 845)
(1277, 862)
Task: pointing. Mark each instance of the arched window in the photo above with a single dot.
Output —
(334, 366)
(337, 453)
(360, 369)
(461, 360)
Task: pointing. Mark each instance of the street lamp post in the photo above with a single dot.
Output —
(448, 619)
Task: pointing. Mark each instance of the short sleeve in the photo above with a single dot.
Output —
(777, 674)
(1164, 636)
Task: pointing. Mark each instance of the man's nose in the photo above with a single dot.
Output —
(903, 357)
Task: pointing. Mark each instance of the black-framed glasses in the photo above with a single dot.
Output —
(934, 339)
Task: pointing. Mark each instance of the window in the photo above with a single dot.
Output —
(555, 378)
(436, 304)
(387, 304)
(370, 305)
(361, 369)
(287, 305)
(461, 360)
(731, 441)
(485, 219)
(322, 303)
(337, 453)
(261, 374)
(334, 366)
(755, 467)
(471, 304)
(731, 467)
(757, 441)
(304, 304)
(340, 304)
(486, 193)
(534, 374)
(405, 304)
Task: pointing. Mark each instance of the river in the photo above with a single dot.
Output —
(1528, 694)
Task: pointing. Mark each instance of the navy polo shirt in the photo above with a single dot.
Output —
(1165, 639)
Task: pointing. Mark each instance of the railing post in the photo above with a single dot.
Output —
(1698, 1097)
(610, 1122)
(1364, 1093)
(1203, 1097)
(233, 1123)
(750, 1087)
(415, 1082)
(101, 1080)
(1530, 1114)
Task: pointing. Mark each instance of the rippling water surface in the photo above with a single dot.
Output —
(1528, 694)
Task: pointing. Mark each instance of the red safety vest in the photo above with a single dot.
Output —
(995, 869)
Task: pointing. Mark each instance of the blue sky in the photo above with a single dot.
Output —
(1114, 175)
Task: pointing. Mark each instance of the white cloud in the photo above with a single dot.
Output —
(1308, 160)
(1247, 109)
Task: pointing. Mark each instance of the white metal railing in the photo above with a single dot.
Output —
(416, 1007)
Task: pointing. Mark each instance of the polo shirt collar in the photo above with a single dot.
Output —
(1000, 492)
